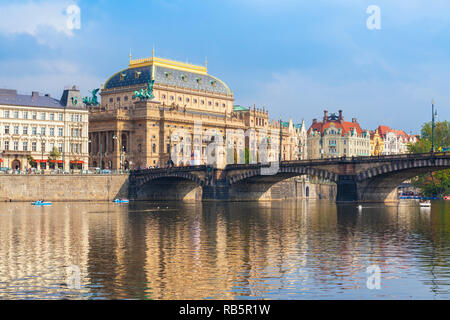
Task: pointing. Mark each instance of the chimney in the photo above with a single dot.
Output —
(341, 118)
(34, 94)
(325, 116)
(354, 120)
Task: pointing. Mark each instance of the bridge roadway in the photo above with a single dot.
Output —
(362, 179)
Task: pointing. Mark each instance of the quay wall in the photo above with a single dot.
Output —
(63, 187)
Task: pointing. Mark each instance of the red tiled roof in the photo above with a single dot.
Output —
(382, 130)
(345, 126)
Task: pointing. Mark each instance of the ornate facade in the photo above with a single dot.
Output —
(181, 113)
(31, 126)
(334, 137)
(395, 141)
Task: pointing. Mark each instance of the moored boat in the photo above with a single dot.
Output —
(41, 203)
(426, 203)
(121, 200)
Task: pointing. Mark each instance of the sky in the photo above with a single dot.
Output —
(296, 58)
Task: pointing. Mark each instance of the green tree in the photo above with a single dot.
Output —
(438, 182)
(54, 154)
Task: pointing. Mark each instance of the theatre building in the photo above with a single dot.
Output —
(127, 133)
(42, 132)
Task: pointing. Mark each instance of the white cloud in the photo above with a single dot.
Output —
(36, 18)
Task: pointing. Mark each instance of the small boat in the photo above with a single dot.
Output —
(425, 203)
(447, 198)
(41, 203)
(121, 200)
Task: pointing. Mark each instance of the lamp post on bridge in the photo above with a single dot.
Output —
(433, 116)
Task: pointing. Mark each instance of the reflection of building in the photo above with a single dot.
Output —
(395, 141)
(32, 126)
(334, 137)
(190, 109)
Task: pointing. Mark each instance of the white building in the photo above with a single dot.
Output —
(31, 126)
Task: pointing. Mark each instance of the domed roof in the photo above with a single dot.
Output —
(167, 72)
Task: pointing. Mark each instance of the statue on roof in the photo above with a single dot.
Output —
(333, 117)
(146, 94)
(93, 100)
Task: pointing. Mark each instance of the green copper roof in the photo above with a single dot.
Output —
(239, 108)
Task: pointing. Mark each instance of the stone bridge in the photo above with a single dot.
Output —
(364, 179)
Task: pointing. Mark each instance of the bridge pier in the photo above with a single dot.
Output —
(347, 189)
(218, 191)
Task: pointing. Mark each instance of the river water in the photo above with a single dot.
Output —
(269, 250)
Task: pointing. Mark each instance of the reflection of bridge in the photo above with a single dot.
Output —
(358, 179)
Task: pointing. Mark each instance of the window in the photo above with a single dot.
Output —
(52, 131)
(171, 98)
(163, 96)
(25, 146)
(34, 115)
(111, 100)
(60, 117)
(209, 103)
(118, 99)
(195, 100)
(43, 146)
(25, 130)
(60, 132)
(187, 99)
(33, 130)
(6, 114)
(223, 105)
(154, 148)
(25, 114)
(33, 146)
(6, 129)
(6, 145)
(52, 116)
(202, 102)
(43, 131)
(16, 145)
(76, 118)
(42, 116)
(16, 129)
(60, 147)
(16, 114)
(180, 99)
(126, 98)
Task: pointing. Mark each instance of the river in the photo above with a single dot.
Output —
(269, 250)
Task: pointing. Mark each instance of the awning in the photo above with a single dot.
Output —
(76, 162)
(57, 161)
(1, 160)
(41, 161)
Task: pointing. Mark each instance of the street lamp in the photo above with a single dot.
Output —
(121, 151)
(433, 116)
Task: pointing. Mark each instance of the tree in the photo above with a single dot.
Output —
(54, 154)
(438, 182)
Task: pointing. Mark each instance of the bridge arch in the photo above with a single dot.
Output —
(168, 186)
(253, 184)
(380, 183)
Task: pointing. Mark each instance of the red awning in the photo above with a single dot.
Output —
(41, 161)
(76, 162)
(57, 161)
(1, 160)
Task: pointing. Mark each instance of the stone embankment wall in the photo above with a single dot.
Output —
(63, 187)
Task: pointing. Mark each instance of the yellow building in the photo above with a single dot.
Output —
(376, 143)
(191, 110)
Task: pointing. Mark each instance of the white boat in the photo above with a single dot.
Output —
(425, 204)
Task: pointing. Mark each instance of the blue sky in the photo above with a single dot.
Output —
(295, 57)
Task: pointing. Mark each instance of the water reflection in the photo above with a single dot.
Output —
(289, 250)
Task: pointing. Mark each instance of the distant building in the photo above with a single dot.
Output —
(376, 143)
(31, 126)
(333, 137)
(395, 141)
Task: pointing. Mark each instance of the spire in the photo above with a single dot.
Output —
(153, 52)
(206, 62)
(130, 55)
